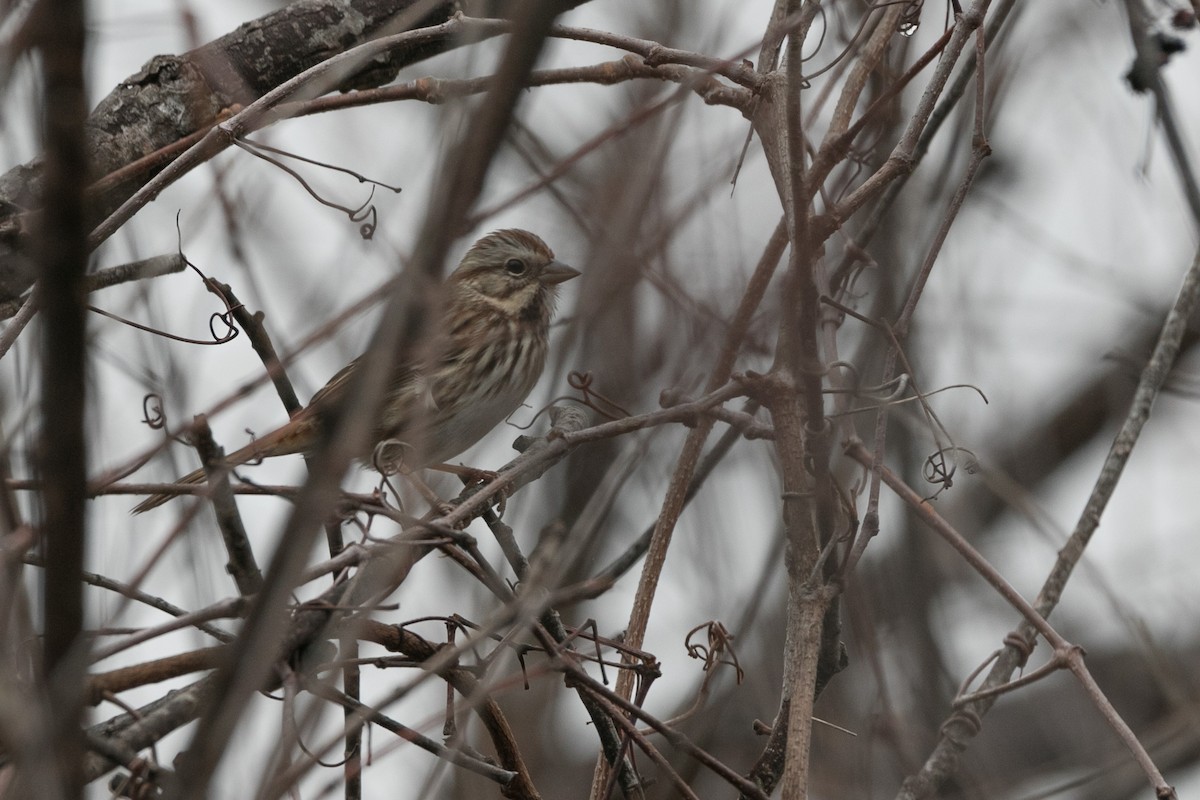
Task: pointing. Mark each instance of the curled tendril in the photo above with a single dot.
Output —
(368, 215)
(901, 384)
(366, 211)
(581, 382)
(258, 455)
(820, 41)
(936, 471)
(898, 386)
(388, 459)
(210, 284)
(155, 418)
(298, 736)
(162, 333)
(849, 47)
(719, 642)
(855, 380)
(226, 317)
(388, 456)
(152, 411)
(939, 470)
(529, 424)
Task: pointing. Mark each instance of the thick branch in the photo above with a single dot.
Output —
(173, 97)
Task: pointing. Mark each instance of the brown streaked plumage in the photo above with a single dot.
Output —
(492, 346)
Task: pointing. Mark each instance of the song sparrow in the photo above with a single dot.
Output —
(490, 346)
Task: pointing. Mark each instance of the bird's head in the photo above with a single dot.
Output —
(512, 270)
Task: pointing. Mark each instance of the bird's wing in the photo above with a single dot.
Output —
(331, 393)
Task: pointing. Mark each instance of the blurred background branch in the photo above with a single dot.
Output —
(964, 196)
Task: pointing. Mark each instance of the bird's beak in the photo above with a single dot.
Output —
(556, 272)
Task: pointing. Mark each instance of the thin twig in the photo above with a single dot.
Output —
(1034, 619)
(685, 468)
(232, 608)
(241, 565)
(450, 754)
(20, 319)
(113, 276)
(943, 761)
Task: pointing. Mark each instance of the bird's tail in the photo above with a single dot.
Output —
(294, 437)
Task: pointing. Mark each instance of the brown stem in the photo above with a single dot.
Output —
(1034, 619)
(241, 565)
(685, 466)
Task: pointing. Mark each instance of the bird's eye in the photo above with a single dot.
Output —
(514, 266)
